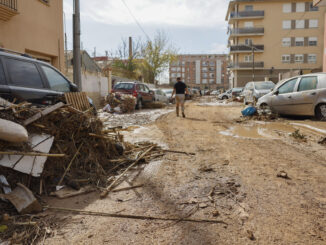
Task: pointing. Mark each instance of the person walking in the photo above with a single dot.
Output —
(180, 90)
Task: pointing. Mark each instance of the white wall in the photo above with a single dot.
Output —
(96, 86)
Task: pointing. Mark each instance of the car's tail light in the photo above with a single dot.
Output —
(135, 94)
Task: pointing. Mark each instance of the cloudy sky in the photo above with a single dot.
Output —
(193, 26)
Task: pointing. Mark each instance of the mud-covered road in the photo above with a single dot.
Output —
(232, 178)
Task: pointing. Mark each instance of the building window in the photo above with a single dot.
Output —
(173, 74)
(204, 69)
(301, 7)
(211, 81)
(249, 8)
(205, 63)
(286, 58)
(312, 7)
(286, 42)
(312, 58)
(211, 69)
(287, 8)
(183, 63)
(173, 69)
(183, 69)
(312, 41)
(298, 58)
(313, 23)
(299, 41)
(248, 41)
(45, 1)
(299, 24)
(204, 81)
(212, 75)
(212, 63)
(248, 58)
(286, 24)
(204, 75)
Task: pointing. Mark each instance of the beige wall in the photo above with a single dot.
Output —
(37, 29)
(274, 32)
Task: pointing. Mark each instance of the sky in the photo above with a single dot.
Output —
(192, 26)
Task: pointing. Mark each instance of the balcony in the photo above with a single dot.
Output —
(259, 14)
(242, 48)
(246, 65)
(246, 31)
(8, 9)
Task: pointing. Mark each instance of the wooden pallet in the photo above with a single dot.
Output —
(78, 100)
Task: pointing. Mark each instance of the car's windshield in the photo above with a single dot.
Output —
(264, 86)
(124, 86)
(237, 89)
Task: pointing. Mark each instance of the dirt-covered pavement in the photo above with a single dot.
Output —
(232, 178)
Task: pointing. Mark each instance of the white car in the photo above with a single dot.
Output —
(226, 95)
(160, 96)
(302, 95)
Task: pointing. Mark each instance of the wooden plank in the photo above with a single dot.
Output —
(78, 100)
(43, 113)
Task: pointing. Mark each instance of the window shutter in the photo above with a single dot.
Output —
(306, 41)
(292, 58)
(307, 7)
(306, 24)
(292, 41)
(294, 7)
(305, 58)
(292, 24)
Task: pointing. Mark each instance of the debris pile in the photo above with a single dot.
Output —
(299, 136)
(155, 105)
(65, 148)
(120, 103)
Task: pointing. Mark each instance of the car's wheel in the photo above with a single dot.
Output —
(320, 112)
(245, 102)
(224, 98)
(139, 104)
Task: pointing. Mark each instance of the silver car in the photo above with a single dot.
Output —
(302, 95)
(254, 90)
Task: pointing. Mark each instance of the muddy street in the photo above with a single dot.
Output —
(263, 183)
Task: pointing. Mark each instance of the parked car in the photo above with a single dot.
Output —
(168, 93)
(254, 90)
(139, 90)
(226, 95)
(195, 92)
(215, 92)
(160, 96)
(302, 95)
(23, 78)
(237, 91)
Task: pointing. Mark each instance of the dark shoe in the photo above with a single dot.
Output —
(183, 114)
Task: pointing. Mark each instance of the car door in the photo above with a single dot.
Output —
(305, 96)
(25, 81)
(147, 95)
(4, 89)
(282, 101)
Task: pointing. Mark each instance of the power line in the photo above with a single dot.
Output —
(135, 19)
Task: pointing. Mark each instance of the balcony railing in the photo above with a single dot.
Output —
(247, 14)
(11, 4)
(247, 31)
(246, 65)
(246, 48)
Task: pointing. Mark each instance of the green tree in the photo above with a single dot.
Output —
(157, 55)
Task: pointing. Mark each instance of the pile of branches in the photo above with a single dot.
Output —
(124, 103)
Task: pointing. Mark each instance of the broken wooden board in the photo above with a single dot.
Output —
(69, 192)
(43, 113)
(32, 165)
(23, 200)
(78, 100)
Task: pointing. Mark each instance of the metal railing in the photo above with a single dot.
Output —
(247, 30)
(247, 65)
(12, 4)
(246, 14)
(242, 47)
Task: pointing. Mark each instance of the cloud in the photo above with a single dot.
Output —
(219, 48)
(191, 13)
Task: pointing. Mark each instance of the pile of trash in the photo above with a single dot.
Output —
(56, 150)
(119, 103)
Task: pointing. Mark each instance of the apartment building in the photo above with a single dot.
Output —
(268, 38)
(202, 71)
(34, 27)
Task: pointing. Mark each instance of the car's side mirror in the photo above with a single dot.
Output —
(151, 92)
(276, 92)
(73, 87)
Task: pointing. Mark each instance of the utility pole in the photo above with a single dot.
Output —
(253, 60)
(76, 33)
(130, 48)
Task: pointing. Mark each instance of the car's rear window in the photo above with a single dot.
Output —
(23, 73)
(264, 86)
(125, 86)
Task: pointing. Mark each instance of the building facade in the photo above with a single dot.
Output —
(34, 27)
(200, 71)
(268, 38)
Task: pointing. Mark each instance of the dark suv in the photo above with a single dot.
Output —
(26, 79)
(139, 90)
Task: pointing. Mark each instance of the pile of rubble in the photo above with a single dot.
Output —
(56, 150)
(119, 103)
